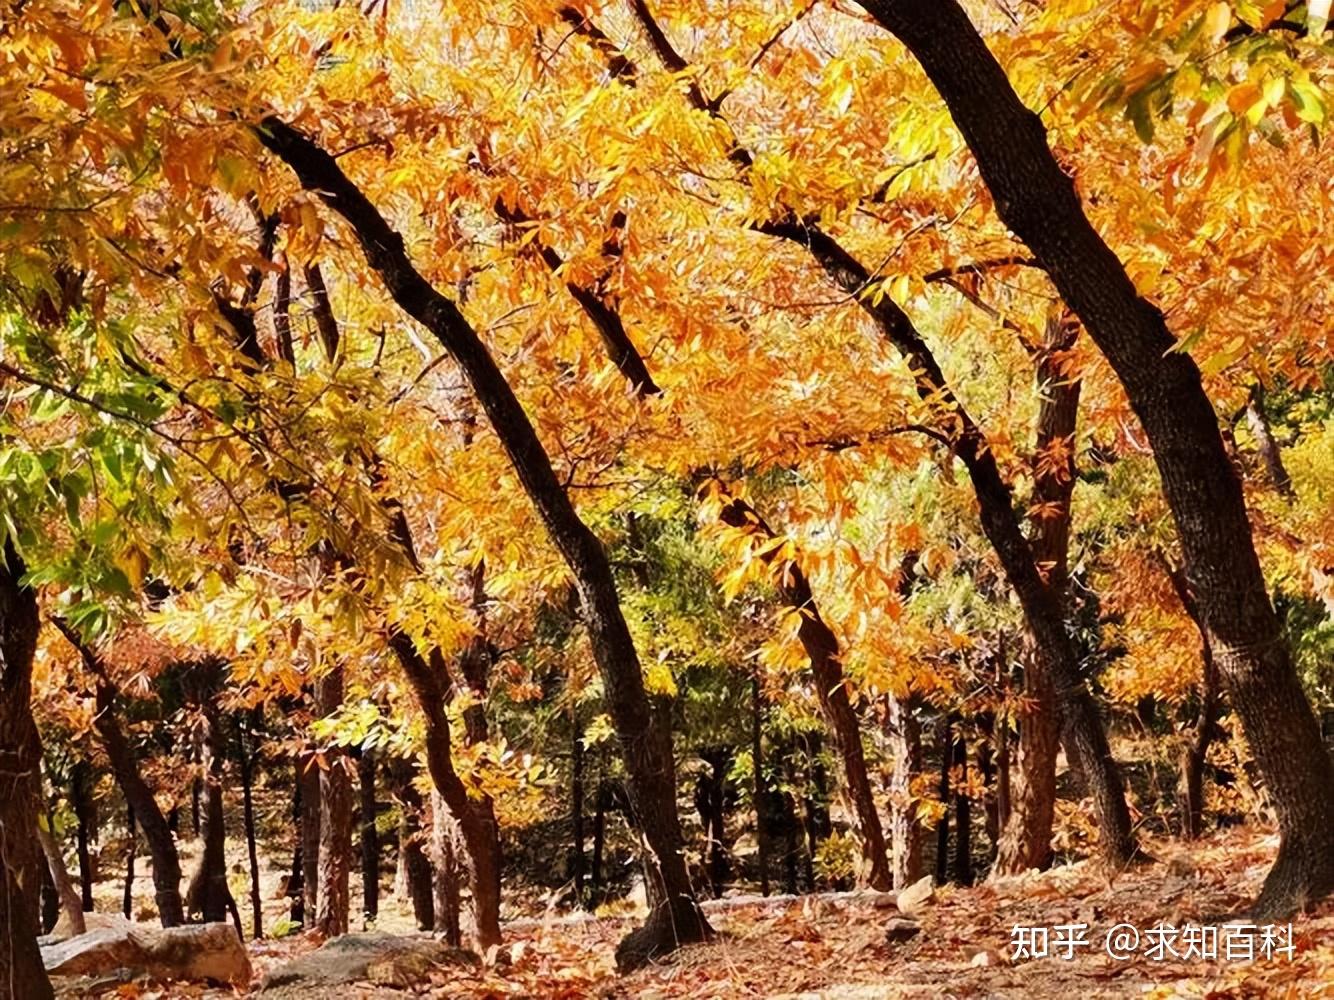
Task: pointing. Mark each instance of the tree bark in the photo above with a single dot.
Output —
(209, 898)
(944, 744)
(335, 854)
(85, 815)
(963, 814)
(905, 741)
(22, 975)
(125, 766)
(645, 736)
(1265, 443)
(308, 776)
(577, 807)
(1039, 202)
(70, 903)
(370, 838)
(412, 857)
(445, 872)
(127, 899)
(247, 759)
(758, 788)
(821, 646)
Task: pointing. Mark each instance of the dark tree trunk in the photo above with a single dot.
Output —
(445, 871)
(905, 738)
(49, 905)
(711, 804)
(599, 834)
(335, 856)
(986, 767)
(821, 646)
(944, 744)
(131, 850)
(963, 814)
(1039, 203)
(370, 839)
(644, 734)
(247, 760)
(125, 766)
(85, 816)
(209, 898)
(577, 807)
(412, 856)
(758, 789)
(22, 975)
(308, 777)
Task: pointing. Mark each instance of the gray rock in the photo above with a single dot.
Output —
(898, 931)
(384, 959)
(195, 952)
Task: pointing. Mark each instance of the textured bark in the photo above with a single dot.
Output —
(1265, 443)
(1026, 842)
(335, 854)
(412, 859)
(821, 646)
(308, 776)
(577, 807)
(325, 323)
(944, 746)
(125, 766)
(445, 873)
(127, 897)
(247, 760)
(209, 898)
(645, 736)
(70, 902)
(963, 814)
(22, 975)
(1039, 203)
(85, 816)
(905, 743)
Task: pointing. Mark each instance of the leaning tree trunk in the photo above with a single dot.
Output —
(1039, 203)
(821, 646)
(71, 905)
(22, 975)
(645, 736)
(905, 742)
(1026, 842)
(125, 766)
(335, 853)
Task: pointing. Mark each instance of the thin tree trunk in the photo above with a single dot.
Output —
(85, 815)
(1270, 453)
(577, 807)
(370, 839)
(125, 766)
(412, 856)
(945, 746)
(127, 899)
(645, 735)
(252, 851)
(758, 790)
(22, 975)
(70, 903)
(308, 776)
(599, 835)
(905, 740)
(821, 646)
(335, 855)
(1037, 200)
(209, 898)
(963, 814)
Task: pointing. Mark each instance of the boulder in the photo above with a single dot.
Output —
(912, 900)
(384, 959)
(195, 952)
(897, 931)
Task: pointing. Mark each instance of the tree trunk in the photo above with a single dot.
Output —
(905, 740)
(1270, 453)
(22, 975)
(821, 646)
(445, 871)
(85, 815)
(125, 766)
(49, 902)
(599, 834)
(944, 744)
(370, 839)
(1039, 203)
(577, 807)
(645, 735)
(963, 814)
(412, 857)
(248, 818)
(70, 903)
(758, 790)
(209, 898)
(127, 899)
(335, 855)
(308, 776)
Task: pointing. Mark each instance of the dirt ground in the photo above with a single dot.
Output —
(837, 948)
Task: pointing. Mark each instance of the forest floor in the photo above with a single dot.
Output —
(836, 948)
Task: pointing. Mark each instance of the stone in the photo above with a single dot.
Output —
(897, 931)
(195, 952)
(399, 961)
(913, 899)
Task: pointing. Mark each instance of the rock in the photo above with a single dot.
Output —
(984, 959)
(897, 931)
(194, 952)
(384, 959)
(913, 899)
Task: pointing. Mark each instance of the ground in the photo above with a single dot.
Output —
(831, 947)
